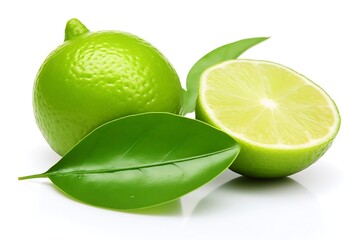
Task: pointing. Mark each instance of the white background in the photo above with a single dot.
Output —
(319, 39)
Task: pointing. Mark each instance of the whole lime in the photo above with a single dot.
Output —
(94, 77)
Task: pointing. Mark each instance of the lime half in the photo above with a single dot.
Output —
(283, 121)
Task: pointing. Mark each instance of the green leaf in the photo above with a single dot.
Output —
(142, 160)
(221, 54)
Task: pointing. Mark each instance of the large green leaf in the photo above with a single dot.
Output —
(221, 54)
(142, 160)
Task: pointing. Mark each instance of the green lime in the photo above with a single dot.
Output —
(94, 77)
(283, 121)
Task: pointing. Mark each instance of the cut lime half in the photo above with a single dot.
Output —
(283, 121)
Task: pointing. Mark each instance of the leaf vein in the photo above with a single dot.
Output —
(99, 171)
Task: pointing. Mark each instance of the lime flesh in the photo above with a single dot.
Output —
(283, 121)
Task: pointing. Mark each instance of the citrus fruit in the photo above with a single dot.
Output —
(282, 120)
(95, 77)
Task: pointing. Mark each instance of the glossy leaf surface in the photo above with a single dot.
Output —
(221, 54)
(142, 160)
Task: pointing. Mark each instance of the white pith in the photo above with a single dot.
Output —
(268, 103)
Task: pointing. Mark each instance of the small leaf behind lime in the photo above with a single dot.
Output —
(218, 55)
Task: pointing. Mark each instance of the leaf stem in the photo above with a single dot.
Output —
(41, 175)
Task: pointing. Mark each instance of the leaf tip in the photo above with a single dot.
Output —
(263, 38)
